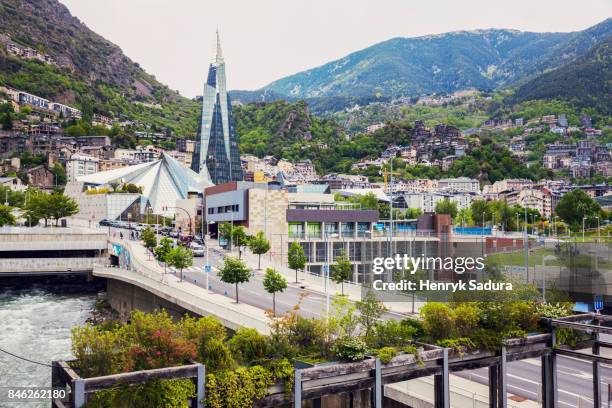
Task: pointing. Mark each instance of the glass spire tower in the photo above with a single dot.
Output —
(216, 153)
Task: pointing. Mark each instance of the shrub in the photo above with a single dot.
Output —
(523, 315)
(173, 393)
(98, 352)
(350, 349)
(461, 345)
(466, 319)
(237, 388)
(248, 345)
(386, 354)
(216, 355)
(438, 322)
(391, 333)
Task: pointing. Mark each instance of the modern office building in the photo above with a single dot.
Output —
(323, 227)
(216, 153)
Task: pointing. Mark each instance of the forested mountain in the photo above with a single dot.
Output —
(483, 59)
(585, 82)
(90, 72)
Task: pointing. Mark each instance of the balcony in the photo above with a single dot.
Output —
(331, 215)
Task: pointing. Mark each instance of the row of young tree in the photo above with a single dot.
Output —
(573, 208)
(234, 270)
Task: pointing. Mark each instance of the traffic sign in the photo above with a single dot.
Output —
(207, 268)
(325, 269)
(599, 303)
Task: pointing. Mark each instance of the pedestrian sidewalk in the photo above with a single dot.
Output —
(316, 283)
(144, 271)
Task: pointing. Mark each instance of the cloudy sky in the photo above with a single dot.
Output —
(264, 40)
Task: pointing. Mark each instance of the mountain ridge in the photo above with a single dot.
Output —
(408, 66)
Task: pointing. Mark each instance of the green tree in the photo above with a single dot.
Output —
(6, 217)
(342, 270)
(296, 258)
(37, 207)
(7, 121)
(446, 206)
(480, 212)
(234, 271)
(464, 217)
(239, 239)
(60, 206)
(259, 245)
(274, 282)
(575, 206)
(370, 311)
(180, 258)
(503, 213)
(149, 239)
(368, 201)
(60, 174)
(163, 249)
(75, 130)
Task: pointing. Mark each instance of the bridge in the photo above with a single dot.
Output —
(144, 285)
(50, 251)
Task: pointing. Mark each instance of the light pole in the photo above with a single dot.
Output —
(517, 222)
(597, 228)
(206, 243)
(583, 220)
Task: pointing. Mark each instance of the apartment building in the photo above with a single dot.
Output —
(81, 165)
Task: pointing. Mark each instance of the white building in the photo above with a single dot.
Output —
(426, 202)
(460, 184)
(81, 165)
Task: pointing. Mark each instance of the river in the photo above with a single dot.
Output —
(35, 322)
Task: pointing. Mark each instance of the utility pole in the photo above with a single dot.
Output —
(526, 245)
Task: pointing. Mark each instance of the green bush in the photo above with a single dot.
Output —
(461, 345)
(216, 355)
(438, 320)
(391, 333)
(350, 349)
(248, 345)
(386, 354)
(467, 317)
(237, 388)
(173, 393)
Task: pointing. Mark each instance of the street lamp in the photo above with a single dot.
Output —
(583, 220)
(597, 228)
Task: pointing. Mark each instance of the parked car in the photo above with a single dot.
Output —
(197, 249)
(105, 223)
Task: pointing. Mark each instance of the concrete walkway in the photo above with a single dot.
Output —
(147, 274)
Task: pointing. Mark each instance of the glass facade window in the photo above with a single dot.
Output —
(314, 230)
(363, 228)
(331, 229)
(296, 230)
(348, 229)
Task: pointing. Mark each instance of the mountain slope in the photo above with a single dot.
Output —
(585, 82)
(484, 59)
(91, 72)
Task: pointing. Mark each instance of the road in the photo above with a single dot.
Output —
(312, 304)
(574, 376)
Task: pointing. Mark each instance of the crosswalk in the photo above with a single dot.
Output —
(190, 269)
